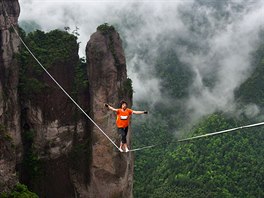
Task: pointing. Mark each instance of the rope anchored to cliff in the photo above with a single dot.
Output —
(54, 80)
(200, 136)
(78, 106)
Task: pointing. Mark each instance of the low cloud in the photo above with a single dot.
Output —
(224, 34)
(252, 110)
(229, 45)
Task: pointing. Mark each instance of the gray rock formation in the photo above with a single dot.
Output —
(55, 149)
(111, 171)
(9, 107)
(55, 134)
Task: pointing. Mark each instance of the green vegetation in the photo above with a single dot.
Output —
(31, 161)
(81, 152)
(80, 79)
(126, 89)
(29, 26)
(106, 28)
(227, 165)
(54, 49)
(112, 48)
(252, 90)
(167, 67)
(19, 191)
(50, 48)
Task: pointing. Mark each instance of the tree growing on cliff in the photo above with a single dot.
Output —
(19, 191)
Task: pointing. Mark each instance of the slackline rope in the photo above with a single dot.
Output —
(132, 150)
(200, 136)
(55, 79)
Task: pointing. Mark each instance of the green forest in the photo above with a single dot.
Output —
(227, 165)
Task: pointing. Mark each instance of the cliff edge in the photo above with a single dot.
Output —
(10, 139)
(111, 171)
(45, 141)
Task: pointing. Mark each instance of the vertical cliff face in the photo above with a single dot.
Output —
(43, 136)
(9, 109)
(55, 134)
(111, 171)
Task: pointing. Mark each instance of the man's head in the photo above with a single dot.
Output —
(123, 104)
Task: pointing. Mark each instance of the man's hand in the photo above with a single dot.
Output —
(145, 112)
(106, 105)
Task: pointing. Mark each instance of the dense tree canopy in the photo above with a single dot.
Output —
(227, 165)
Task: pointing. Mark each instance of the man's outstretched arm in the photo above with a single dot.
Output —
(109, 107)
(140, 112)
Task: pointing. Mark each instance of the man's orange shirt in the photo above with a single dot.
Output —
(123, 117)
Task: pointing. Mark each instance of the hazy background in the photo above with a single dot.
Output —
(213, 39)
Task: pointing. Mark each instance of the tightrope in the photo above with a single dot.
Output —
(79, 107)
(200, 136)
(55, 81)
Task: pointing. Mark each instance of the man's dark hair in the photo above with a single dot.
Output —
(122, 102)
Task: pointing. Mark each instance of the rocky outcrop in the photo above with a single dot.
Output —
(10, 141)
(7, 161)
(55, 134)
(111, 171)
(55, 149)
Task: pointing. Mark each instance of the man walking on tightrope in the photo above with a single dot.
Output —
(122, 121)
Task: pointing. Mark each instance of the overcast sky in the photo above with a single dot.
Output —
(225, 33)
